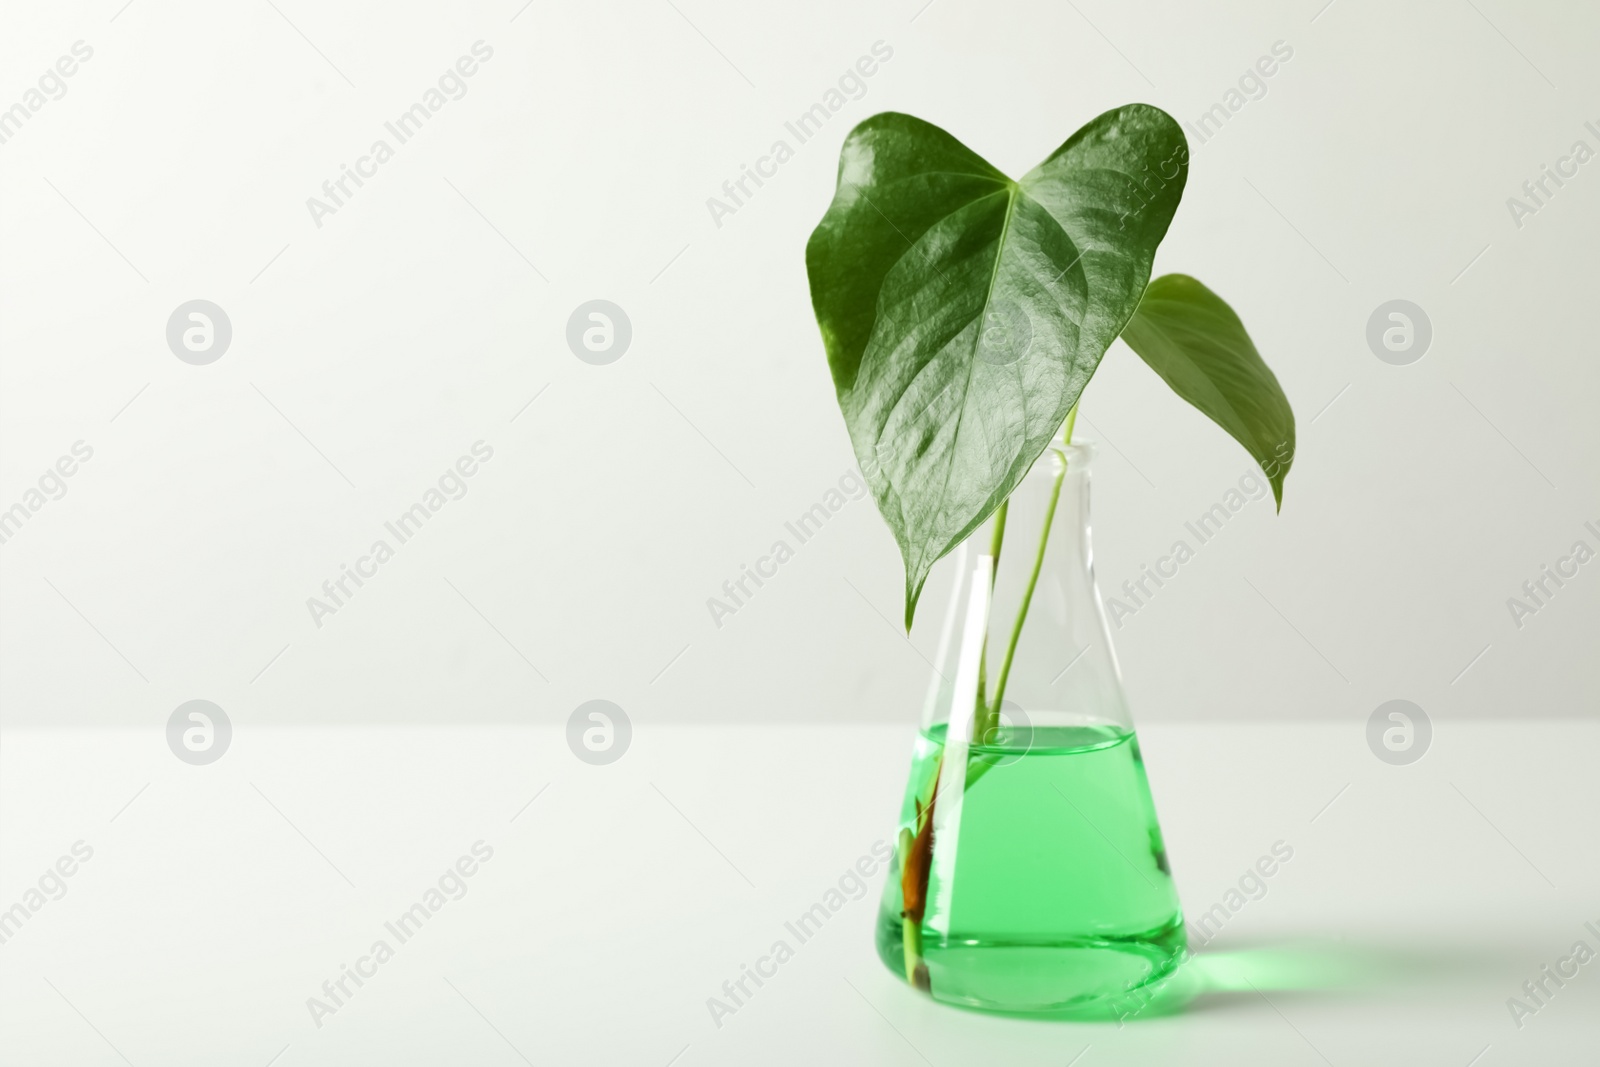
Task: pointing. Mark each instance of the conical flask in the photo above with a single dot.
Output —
(1030, 873)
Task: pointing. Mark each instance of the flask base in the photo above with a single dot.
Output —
(1072, 977)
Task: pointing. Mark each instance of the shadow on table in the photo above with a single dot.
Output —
(1274, 972)
(1280, 972)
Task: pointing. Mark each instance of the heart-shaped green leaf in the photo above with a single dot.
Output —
(1192, 338)
(963, 312)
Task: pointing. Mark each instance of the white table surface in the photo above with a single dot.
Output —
(221, 897)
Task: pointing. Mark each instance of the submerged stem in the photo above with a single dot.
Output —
(916, 841)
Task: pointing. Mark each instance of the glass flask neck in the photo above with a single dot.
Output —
(1025, 644)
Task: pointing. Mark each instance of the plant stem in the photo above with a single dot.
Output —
(1038, 565)
(910, 928)
(999, 536)
(983, 717)
(916, 842)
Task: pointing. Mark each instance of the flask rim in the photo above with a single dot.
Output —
(1078, 456)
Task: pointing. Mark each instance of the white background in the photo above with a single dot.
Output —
(1377, 167)
(425, 315)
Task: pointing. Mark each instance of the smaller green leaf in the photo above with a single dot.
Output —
(1193, 339)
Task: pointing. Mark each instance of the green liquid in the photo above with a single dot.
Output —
(1048, 888)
